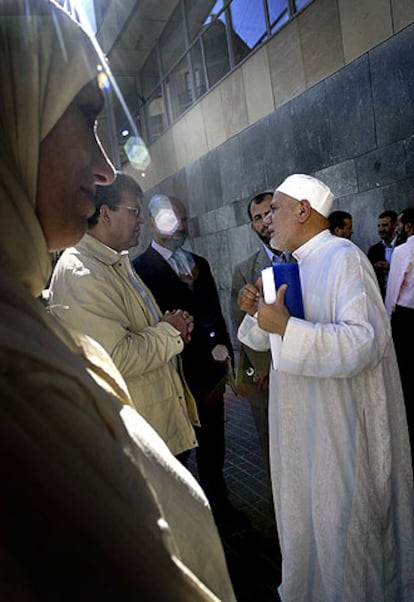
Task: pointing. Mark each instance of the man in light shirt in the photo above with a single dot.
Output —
(399, 302)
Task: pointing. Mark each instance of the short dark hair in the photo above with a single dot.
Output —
(110, 195)
(336, 219)
(389, 213)
(407, 216)
(259, 198)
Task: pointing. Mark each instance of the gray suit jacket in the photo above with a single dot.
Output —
(248, 271)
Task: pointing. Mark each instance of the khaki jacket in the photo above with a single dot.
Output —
(91, 291)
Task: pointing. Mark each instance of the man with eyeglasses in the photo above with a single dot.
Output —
(95, 289)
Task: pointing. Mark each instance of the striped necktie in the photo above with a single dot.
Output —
(183, 265)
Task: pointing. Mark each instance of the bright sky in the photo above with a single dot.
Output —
(89, 10)
(86, 7)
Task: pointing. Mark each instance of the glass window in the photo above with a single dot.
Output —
(155, 115)
(216, 52)
(178, 89)
(200, 13)
(248, 26)
(100, 9)
(150, 76)
(278, 13)
(301, 3)
(172, 40)
(218, 5)
(198, 70)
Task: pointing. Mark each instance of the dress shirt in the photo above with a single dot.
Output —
(180, 260)
(388, 251)
(400, 287)
(284, 257)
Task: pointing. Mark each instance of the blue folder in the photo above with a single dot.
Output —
(288, 273)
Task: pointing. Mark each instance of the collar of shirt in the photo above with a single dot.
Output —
(163, 251)
(101, 251)
(268, 252)
(271, 253)
(391, 244)
(319, 239)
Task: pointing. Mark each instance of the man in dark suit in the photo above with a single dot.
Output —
(253, 371)
(180, 279)
(380, 253)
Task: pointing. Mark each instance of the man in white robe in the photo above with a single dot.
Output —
(339, 449)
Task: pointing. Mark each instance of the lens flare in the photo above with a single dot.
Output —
(166, 221)
(135, 147)
(103, 80)
(137, 152)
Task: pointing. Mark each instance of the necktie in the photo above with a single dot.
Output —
(141, 290)
(183, 265)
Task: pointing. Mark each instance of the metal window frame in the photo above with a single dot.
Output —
(199, 39)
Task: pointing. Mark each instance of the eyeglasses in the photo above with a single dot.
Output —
(135, 210)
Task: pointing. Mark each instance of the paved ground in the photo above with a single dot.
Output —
(252, 553)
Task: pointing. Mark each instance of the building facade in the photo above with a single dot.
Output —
(330, 92)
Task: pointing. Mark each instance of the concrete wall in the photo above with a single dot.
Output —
(324, 37)
(326, 96)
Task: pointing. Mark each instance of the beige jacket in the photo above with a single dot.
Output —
(91, 291)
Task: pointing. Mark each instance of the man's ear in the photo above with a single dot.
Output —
(105, 213)
(151, 223)
(304, 210)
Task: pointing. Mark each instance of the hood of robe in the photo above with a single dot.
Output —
(46, 58)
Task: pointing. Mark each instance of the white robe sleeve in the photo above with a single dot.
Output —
(350, 330)
(251, 335)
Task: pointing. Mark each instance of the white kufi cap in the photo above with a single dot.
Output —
(301, 186)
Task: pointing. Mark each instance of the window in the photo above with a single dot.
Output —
(220, 35)
(172, 40)
(248, 26)
(278, 13)
(200, 84)
(199, 14)
(155, 115)
(150, 75)
(216, 51)
(301, 3)
(178, 89)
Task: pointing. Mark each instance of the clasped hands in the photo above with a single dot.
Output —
(272, 317)
(182, 321)
(382, 266)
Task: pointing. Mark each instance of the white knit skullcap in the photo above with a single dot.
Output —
(301, 186)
